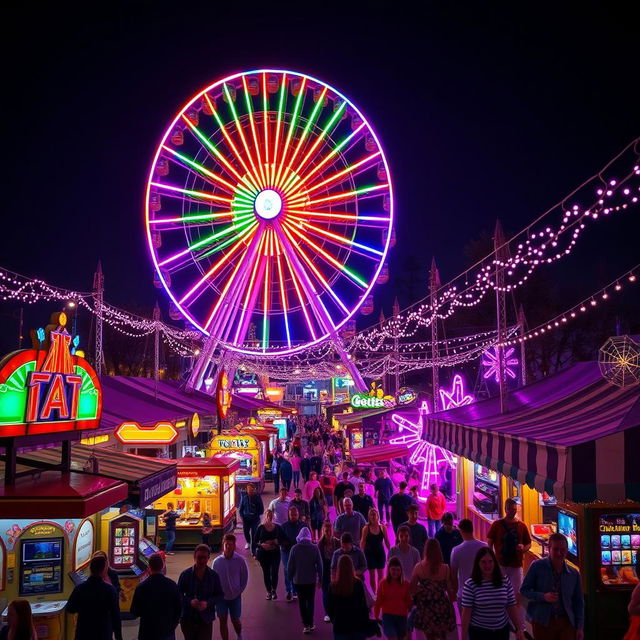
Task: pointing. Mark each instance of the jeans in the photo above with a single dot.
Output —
(479, 633)
(276, 483)
(306, 601)
(433, 526)
(383, 503)
(289, 586)
(296, 479)
(270, 565)
(286, 483)
(171, 538)
(249, 528)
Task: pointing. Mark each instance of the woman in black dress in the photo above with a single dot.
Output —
(318, 512)
(268, 553)
(374, 539)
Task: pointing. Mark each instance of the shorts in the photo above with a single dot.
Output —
(230, 607)
(394, 626)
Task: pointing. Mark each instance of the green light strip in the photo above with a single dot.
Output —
(292, 126)
(247, 218)
(226, 243)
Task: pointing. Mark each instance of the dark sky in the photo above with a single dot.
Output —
(485, 112)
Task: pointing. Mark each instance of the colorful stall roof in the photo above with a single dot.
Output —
(573, 435)
(220, 465)
(147, 478)
(378, 453)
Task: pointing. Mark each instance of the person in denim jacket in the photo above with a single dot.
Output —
(554, 591)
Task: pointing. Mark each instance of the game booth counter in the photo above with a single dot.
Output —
(268, 436)
(49, 516)
(205, 485)
(566, 451)
(247, 450)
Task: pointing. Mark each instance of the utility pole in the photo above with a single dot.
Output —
(156, 347)
(385, 375)
(396, 313)
(434, 285)
(98, 300)
(501, 310)
(523, 354)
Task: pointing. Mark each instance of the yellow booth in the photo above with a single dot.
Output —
(246, 449)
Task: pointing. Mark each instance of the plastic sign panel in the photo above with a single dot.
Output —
(131, 433)
(47, 389)
(223, 395)
(234, 442)
(195, 424)
(376, 399)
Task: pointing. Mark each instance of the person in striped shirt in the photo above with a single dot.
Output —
(488, 602)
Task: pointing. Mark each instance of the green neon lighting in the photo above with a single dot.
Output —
(226, 243)
(246, 219)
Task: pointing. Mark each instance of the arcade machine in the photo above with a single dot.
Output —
(247, 450)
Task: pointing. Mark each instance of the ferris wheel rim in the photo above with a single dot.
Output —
(355, 306)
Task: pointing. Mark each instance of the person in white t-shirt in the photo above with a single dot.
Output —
(463, 556)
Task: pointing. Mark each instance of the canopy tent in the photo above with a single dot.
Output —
(379, 453)
(572, 434)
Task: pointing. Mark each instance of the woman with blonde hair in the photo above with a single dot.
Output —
(394, 601)
(20, 622)
(433, 594)
(372, 542)
(347, 605)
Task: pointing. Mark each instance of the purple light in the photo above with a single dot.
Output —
(491, 363)
(430, 455)
(457, 396)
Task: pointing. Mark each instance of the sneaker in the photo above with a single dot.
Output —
(246, 546)
(312, 628)
(169, 553)
(295, 596)
(289, 596)
(306, 630)
(327, 619)
(274, 595)
(269, 596)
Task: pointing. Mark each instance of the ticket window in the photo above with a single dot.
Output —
(193, 497)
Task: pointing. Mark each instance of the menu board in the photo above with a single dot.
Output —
(619, 548)
(124, 542)
(41, 566)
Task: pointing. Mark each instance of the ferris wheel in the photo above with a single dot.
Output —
(269, 211)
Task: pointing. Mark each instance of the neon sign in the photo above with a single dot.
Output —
(223, 395)
(491, 363)
(47, 389)
(376, 399)
(131, 433)
(457, 396)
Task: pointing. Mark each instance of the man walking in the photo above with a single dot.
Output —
(339, 491)
(305, 572)
(417, 531)
(288, 534)
(234, 575)
(170, 516)
(285, 471)
(200, 590)
(554, 592)
(383, 491)
(436, 506)
(96, 603)
(400, 503)
(280, 506)
(251, 508)
(301, 505)
(355, 553)
(350, 521)
(405, 552)
(510, 540)
(448, 536)
(156, 601)
(362, 501)
(463, 556)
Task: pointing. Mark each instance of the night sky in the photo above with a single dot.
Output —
(486, 112)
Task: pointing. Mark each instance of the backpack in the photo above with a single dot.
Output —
(510, 543)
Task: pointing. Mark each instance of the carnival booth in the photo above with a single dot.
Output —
(566, 450)
(267, 436)
(205, 485)
(50, 513)
(246, 449)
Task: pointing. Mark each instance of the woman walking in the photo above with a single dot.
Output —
(374, 539)
(268, 553)
(318, 512)
(488, 602)
(433, 594)
(347, 605)
(394, 601)
(327, 545)
(19, 622)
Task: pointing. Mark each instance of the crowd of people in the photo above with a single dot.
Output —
(360, 540)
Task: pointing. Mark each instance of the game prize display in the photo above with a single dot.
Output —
(619, 548)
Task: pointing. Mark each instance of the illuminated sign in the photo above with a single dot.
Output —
(269, 413)
(406, 396)
(131, 433)
(457, 397)
(376, 399)
(275, 393)
(47, 389)
(233, 442)
(195, 424)
(93, 440)
(223, 395)
(43, 530)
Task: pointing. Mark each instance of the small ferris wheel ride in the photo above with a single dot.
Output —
(269, 214)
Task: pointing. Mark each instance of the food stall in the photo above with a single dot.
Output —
(267, 436)
(205, 485)
(248, 452)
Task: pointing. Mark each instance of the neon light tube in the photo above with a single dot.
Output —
(189, 192)
(292, 126)
(247, 98)
(349, 194)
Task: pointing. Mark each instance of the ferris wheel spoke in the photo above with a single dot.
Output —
(295, 187)
(345, 218)
(192, 195)
(198, 169)
(292, 127)
(345, 173)
(276, 142)
(345, 195)
(215, 153)
(253, 179)
(354, 277)
(338, 240)
(265, 124)
(283, 291)
(247, 98)
(198, 218)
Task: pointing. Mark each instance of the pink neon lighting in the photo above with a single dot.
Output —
(302, 142)
(431, 456)
(457, 397)
(491, 363)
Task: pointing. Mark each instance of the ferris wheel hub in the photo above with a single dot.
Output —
(268, 204)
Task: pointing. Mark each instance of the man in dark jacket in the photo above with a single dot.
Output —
(156, 601)
(200, 590)
(251, 508)
(288, 534)
(285, 471)
(96, 604)
(362, 501)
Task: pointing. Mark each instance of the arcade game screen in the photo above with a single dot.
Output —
(619, 548)
(124, 547)
(568, 527)
(41, 566)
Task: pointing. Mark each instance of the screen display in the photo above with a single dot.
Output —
(41, 566)
(568, 527)
(124, 543)
(619, 537)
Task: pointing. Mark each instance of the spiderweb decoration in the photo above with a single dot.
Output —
(619, 361)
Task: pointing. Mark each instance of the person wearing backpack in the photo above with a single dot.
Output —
(510, 540)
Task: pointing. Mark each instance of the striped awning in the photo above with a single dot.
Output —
(379, 452)
(573, 435)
